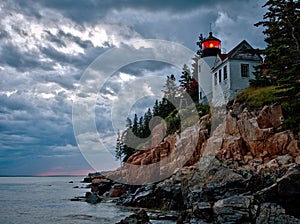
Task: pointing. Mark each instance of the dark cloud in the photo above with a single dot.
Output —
(11, 55)
(139, 68)
(91, 10)
(45, 47)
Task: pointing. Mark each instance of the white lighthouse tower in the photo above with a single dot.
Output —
(210, 47)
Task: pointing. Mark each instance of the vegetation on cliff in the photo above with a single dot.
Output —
(282, 61)
(184, 95)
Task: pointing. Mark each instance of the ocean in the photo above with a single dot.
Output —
(46, 200)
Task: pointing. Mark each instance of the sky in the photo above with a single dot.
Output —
(46, 47)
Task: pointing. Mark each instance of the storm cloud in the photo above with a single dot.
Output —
(46, 46)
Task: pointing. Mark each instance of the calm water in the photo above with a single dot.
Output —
(46, 200)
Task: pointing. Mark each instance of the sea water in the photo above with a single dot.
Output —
(46, 200)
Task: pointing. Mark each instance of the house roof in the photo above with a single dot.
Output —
(230, 53)
(233, 52)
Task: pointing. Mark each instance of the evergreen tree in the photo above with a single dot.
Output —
(195, 85)
(282, 31)
(186, 79)
(147, 118)
(119, 147)
(135, 125)
(128, 144)
(128, 123)
(188, 83)
(171, 87)
(282, 54)
(140, 133)
(156, 108)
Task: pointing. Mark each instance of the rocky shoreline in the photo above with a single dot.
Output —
(247, 171)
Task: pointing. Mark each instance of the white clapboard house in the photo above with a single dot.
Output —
(221, 76)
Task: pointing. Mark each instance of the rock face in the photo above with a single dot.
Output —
(168, 156)
(194, 137)
(139, 217)
(245, 172)
(235, 209)
(271, 213)
(166, 195)
(270, 116)
(248, 137)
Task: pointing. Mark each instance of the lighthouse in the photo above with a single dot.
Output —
(222, 75)
(209, 49)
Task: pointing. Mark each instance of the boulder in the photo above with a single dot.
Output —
(92, 198)
(204, 211)
(232, 148)
(231, 127)
(270, 116)
(104, 186)
(235, 209)
(117, 190)
(285, 191)
(158, 133)
(139, 217)
(161, 196)
(271, 213)
(212, 182)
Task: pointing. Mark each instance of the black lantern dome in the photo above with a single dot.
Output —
(210, 46)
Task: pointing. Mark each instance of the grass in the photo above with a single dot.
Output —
(287, 97)
(257, 97)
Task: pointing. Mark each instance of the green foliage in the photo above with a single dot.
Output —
(282, 56)
(135, 136)
(173, 122)
(202, 109)
(282, 30)
(189, 84)
(287, 95)
(257, 97)
(260, 79)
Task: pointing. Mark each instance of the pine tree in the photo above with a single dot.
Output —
(119, 147)
(170, 86)
(135, 125)
(156, 109)
(282, 54)
(141, 127)
(282, 31)
(128, 123)
(185, 79)
(147, 118)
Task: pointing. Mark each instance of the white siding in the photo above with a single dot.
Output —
(238, 82)
(221, 91)
(205, 77)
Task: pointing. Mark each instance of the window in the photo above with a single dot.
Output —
(244, 70)
(215, 79)
(200, 95)
(220, 75)
(199, 70)
(225, 72)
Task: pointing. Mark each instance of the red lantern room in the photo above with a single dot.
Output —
(211, 46)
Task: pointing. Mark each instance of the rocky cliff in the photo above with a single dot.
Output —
(246, 171)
